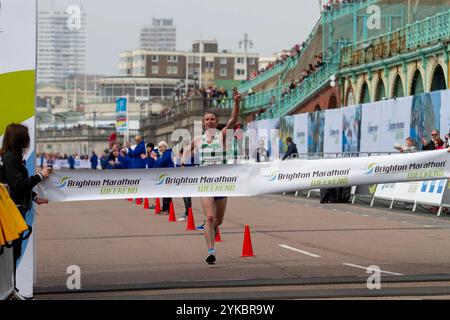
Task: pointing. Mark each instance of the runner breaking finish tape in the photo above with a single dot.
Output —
(211, 151)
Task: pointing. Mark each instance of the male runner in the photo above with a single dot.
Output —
(211, 150)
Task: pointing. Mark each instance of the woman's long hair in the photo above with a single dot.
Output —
(16, 139)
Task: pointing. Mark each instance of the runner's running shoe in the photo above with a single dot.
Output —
(211, 258)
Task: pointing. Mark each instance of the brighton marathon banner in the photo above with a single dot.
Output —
(246, 179)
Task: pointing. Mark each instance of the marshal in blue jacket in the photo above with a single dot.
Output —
(136, 161)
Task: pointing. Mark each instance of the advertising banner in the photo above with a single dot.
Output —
(351, 129)
(333, 131)
(372, 127)
(445, 113)
(17, 101)
(396, 123)
(425, 116)
(245, 179)
(316, 126)
(274, 138)
(301, 132)
(262, 132)
(286, 130)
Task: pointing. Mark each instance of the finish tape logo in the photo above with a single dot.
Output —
(415, 171)
(106, 186)
(203, 184)
(314, 178)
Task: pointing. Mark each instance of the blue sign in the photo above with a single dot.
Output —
(121, 115)
(121, 105)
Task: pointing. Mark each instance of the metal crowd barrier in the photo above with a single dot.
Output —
(6, 272)
(336, 155)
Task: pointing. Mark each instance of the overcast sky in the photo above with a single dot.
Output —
(113, 26)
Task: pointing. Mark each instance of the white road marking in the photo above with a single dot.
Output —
(427, 226)
(365, 215)
(369, 269)
(300, 251)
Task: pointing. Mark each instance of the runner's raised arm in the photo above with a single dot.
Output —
(235, 113)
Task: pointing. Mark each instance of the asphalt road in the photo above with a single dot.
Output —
(302, 250)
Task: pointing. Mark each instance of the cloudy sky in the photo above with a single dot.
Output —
(113, 26)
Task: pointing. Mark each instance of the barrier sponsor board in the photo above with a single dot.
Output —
(246, 179)
(426, 192)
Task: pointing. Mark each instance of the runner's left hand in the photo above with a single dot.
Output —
(237, 95)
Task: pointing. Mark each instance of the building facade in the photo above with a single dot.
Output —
(81, 140)
(215, 67)
(160, 36)
(61, 45)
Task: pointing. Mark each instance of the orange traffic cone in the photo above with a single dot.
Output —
(190, 221)
(172, 217)
(146, 204)
(139, 201)
(247, 249)
(157, 206)
(218, 237)
(130, 200)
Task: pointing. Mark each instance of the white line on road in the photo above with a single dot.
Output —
(300, 251)
(370, 269)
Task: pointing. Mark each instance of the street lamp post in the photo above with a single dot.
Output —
(247, 44)
(56, 116)
(195, 77)
(179, 87)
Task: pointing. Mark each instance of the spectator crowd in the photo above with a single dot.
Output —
(331, 5)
